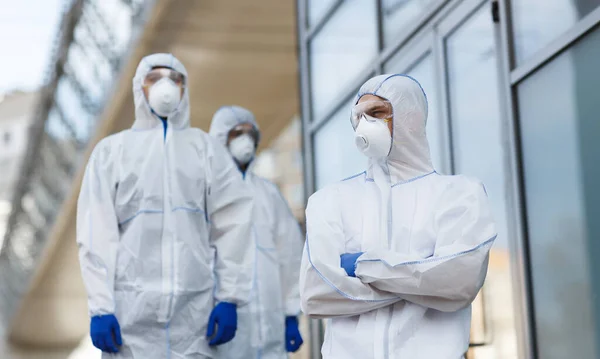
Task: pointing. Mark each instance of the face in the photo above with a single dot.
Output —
(366, 98)
(157, 73)
(242, 129)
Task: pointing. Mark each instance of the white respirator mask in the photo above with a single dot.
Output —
(372, 137)
(242, 148)
(164, 97)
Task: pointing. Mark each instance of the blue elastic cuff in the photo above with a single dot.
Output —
(291, 320)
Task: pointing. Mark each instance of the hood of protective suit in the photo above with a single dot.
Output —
(409, 155)
(144, 118)
(226, 118)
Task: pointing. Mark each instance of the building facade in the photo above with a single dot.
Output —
(16, 110)
(511, 92)
(281, 163)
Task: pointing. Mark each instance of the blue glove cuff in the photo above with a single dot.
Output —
(291, 320)
(228, 305)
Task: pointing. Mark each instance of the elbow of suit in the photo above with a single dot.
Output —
(315, 307)
(452, 306)
(307, 305)
(460, 300)
(311, 307)
(469, 291)
(311, 310)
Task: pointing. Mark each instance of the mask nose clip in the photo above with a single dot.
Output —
(368, 118)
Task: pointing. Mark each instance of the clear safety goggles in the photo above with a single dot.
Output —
(158, 74)
(244, 129)
(376, 109)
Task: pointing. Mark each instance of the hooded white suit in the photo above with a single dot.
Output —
(425, 239)
(278, 252)
(155, 214)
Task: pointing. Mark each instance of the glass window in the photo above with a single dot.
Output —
(316, 9)
(537, 22)
(71, 103)
(559, 133)
(341, 51)
(478, 151)
(424, 72)
(84, 53)
(336, 155)
(117, 16)
(83, 68)
(61, 137)
(56, 128)
(398, 13)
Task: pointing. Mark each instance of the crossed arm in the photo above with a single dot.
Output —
(447, 281)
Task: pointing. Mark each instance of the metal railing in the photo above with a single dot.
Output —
(94, 39)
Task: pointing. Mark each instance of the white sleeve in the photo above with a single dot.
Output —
(450, 279)
(289, 242)
(229, 210)
(325, 289)
(98, 230)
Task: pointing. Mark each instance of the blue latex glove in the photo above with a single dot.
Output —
(106, 333)
(223, 318)
(348, 262)
(293, 339)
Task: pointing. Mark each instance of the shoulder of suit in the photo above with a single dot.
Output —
(463, 183)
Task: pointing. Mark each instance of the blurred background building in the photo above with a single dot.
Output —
(16, 112)
(512, 97)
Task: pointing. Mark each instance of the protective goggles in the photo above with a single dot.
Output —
(244, 129)
(376, 109)
(158, 74)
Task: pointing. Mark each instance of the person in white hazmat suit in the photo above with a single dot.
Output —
(160, 205)
(268, 325)
(395, 255)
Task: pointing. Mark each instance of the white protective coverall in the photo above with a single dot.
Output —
(154, 212)
(278, 248)
(425, 238)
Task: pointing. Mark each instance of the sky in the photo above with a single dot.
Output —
(27, 34)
